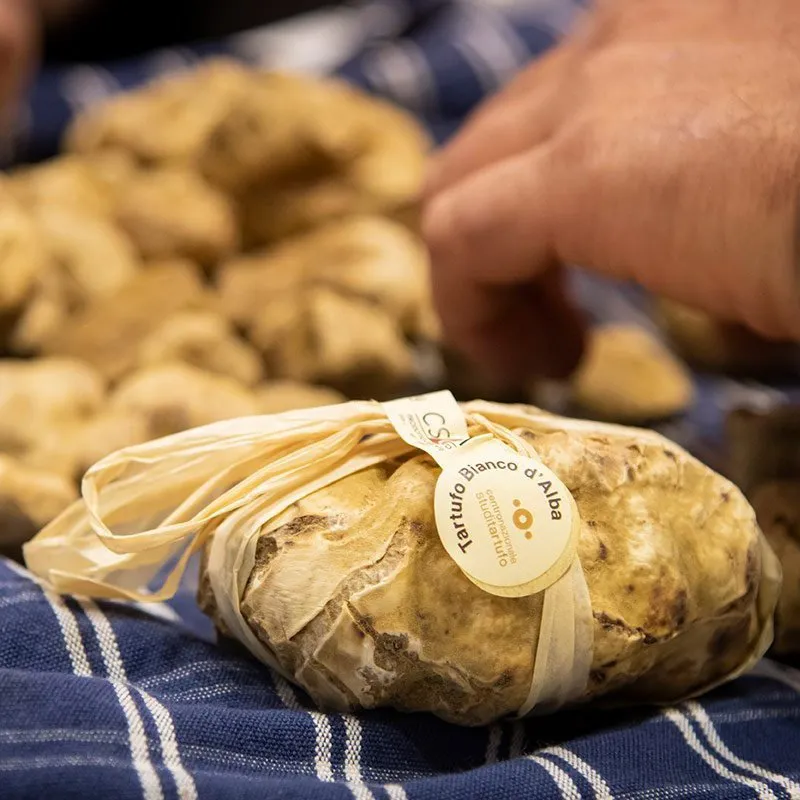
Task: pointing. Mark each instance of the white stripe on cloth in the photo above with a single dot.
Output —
(712, 735)
(184, 782)
(352, 759)
(401, 71)
(71, 634)
(151, 785)
(682, 723)
(166, 731)
(493, 743)
(323, 747)
(218, 755)
(84, 86)
(137, 736)
(788, 676)
(599, 786)
(385, 19)
(565, 784)
(205, 693)
(187, 670)
(19, 598)
(517, 740)
(395, 791)
(157, 610)
(681, 791)
(148, 779)
(315, 43)
(490, 46)
(137, 741)
(27, 763)
(751, 395)
(749, 714)
(140, 755)
(39, 736)
(66, 622)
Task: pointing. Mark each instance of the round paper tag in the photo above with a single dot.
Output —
(507, 520)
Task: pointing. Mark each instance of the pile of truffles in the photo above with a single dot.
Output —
(224, 242)
(229, 242)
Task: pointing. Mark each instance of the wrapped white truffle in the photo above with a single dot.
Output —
(603, 561)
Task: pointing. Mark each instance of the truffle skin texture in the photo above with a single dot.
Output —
(277, 396)
(629, 376)
(176, 397)
(304, 338)
(29, 499)
(720, 346)
(356, 597)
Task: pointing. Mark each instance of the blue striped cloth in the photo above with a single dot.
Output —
(108, 700)
(114, 700)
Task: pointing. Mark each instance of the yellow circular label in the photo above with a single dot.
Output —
(508, 521)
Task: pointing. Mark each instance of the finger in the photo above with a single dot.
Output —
(516, 332)
(494, 226)
(523, 331)
(496, 286)
(516, 119)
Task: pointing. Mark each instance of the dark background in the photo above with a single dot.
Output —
(109, 29)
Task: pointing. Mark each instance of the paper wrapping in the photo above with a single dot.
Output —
(157, 504)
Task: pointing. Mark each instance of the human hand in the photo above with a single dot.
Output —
(659, 143)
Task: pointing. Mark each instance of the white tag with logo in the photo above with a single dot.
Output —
(430, 422)
(507, 520)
